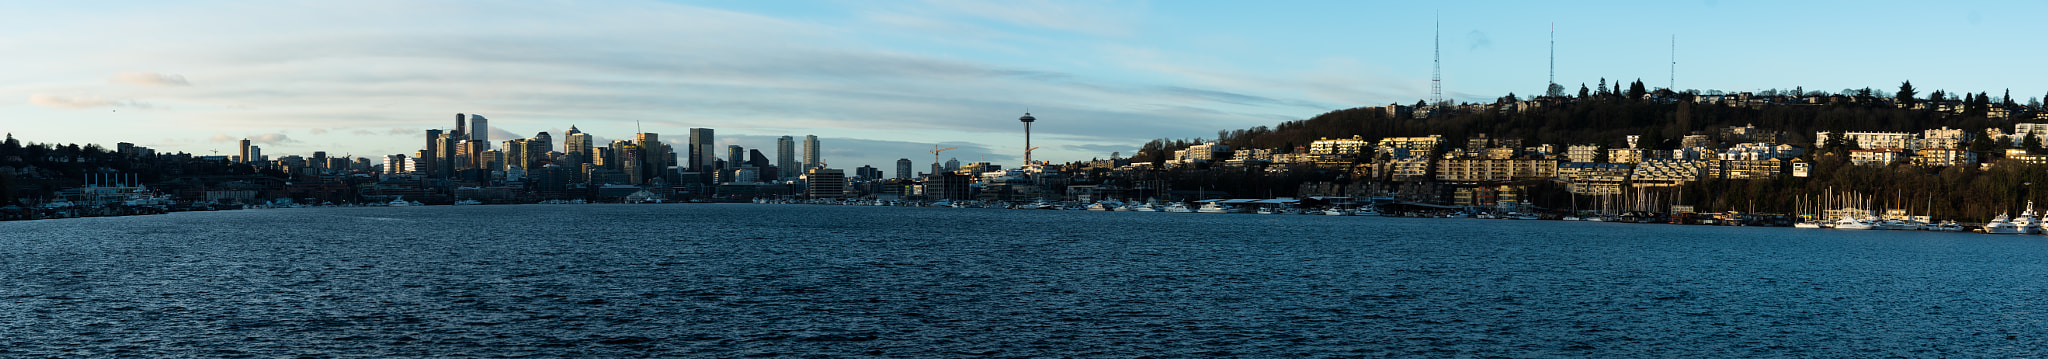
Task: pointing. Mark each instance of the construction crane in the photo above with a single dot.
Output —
(935, 157)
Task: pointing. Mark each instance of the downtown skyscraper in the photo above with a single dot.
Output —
(701, 154)
(811, 154)
(785, 157)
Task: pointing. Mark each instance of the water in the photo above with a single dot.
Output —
(739, 280)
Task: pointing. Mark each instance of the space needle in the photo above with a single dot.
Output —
(1027, 120)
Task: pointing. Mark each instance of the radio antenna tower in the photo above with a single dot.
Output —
(1436, 76)
(1553, 90)
(1673, 86)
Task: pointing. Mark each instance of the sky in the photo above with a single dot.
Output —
(882, 80)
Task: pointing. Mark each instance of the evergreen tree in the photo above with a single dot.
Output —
(1582, 91)
(1905, 95)
(1636, 90)
(2008, 99)
(1602, 86)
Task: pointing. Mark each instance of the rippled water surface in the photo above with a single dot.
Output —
(736, 280)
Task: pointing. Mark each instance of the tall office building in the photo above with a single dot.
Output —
(444, 160)
(822, 182)
(245, 152)
(576, 145)
(427, 158)
(903, 168)
(461, 131)
(537, 149)
(811, 158)
(254, 156)
(733, 156)
(479, 129)
(700, 151)
(785, 157)
(653, 156)
(867, 172)
(515, 153)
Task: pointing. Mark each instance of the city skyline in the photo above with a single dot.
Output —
(890, 80)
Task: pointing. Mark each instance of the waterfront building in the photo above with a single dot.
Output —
(903, 168)
(1664, 172)
(1765, 168)
(820, 182)
(1943, 157)
(1593, 178)
(1582, 153)
(1342, 148)
(1870, 140)
(1944, 138)
(1877, 157)
(1494, 170)
(1405, 147)
(867, 172)
(1202, 153)
(1626, 155)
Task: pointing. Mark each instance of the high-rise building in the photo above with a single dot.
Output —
(576, 145)
(543, 142)
(461, 131)
(700, 151)
(444, 160)
(479, 129)
(254, 155)
(515, 153)
(811, 158)
(653, 156)
(903, 168)
(428, 156)
(245, 152)
(732, 156)
(867, 172)
(785, 156)
(820, 182)
(629, 156)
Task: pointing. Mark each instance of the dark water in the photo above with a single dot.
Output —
(784, 280)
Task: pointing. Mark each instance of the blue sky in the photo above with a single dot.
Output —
(881, 80)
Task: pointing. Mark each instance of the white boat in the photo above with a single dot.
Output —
(2000, 225)
(399, 202)
(1177, 207)
(1848, 222)
(2026, 221)
(1946, 226)
(1334, 211)
(1807, 224)
(1099, 207)
(1144, 207)
(1267, 210)
(1215, 207)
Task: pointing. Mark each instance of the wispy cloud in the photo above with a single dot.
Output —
(82, 102)
(149, 79)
